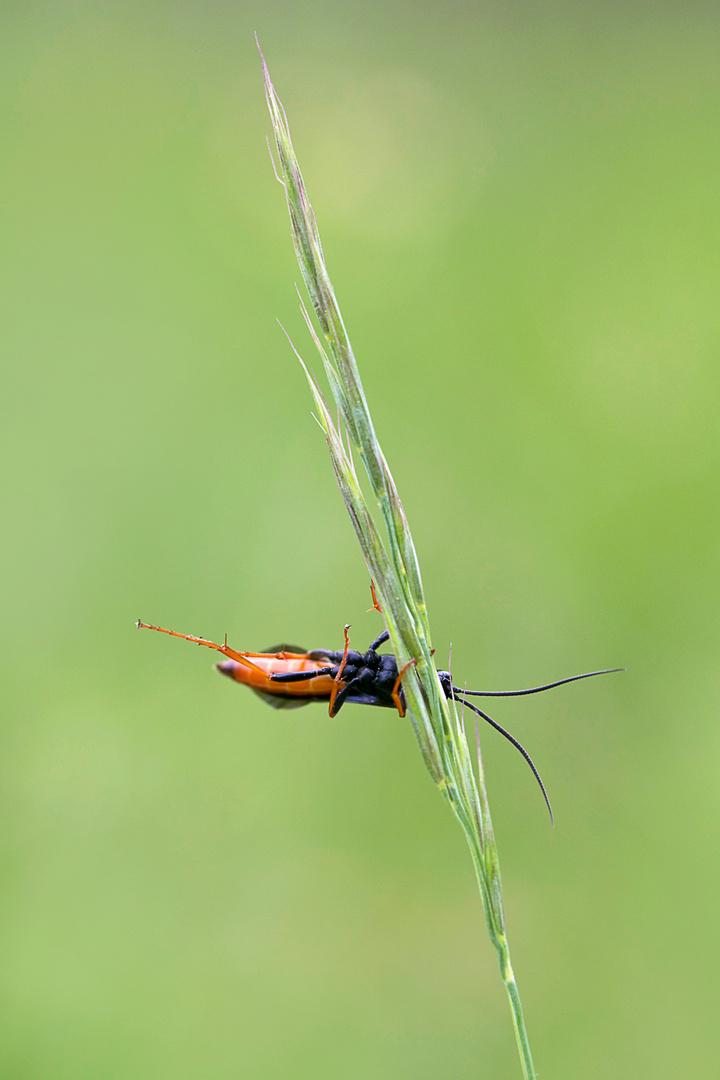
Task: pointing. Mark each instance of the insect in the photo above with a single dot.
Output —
(287, 677)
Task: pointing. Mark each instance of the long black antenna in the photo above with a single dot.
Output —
(513, 740)
(534, 689)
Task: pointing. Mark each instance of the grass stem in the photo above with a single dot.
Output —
(391, 559)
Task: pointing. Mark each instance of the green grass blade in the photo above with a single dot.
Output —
(392, 561)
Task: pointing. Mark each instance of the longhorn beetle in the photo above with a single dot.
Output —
(287, 677)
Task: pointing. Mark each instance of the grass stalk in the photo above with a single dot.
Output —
(387, 546)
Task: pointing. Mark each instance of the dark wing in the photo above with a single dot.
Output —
(358, 698)
(282, 701)
(287, 648)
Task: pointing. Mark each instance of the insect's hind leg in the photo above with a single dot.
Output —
(238, 657)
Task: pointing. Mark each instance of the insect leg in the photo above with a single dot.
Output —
(380, 640)
(336, 684)
(241, 658)
(399, 703)
(341, 697)
(375, 605)
(301, 676)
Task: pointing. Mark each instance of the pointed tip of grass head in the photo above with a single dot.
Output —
(270, 94)
(262, 55)
(266, 74)
(276, 107)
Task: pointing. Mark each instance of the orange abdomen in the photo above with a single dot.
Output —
(259, 666)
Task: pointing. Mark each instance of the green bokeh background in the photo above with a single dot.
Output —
(519, 205)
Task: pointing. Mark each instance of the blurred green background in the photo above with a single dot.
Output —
(519, 206)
